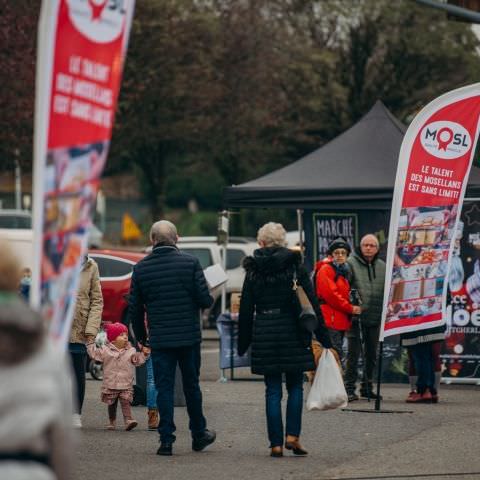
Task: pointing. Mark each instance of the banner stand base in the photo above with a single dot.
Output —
(226, 380)
(365, 410)
(378, 401)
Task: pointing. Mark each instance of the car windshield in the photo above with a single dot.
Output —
(203, 254)
(234, 258)
(112, 267)
(15, 221)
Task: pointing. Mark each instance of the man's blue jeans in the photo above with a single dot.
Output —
(151, 390)
(164, 366)
(273, 399)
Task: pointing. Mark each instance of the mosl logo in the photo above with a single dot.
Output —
(445, 139)
(99, 20)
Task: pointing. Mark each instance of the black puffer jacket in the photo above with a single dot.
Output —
(269, 311)
(170, 286)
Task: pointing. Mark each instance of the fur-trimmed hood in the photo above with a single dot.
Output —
(271, 263)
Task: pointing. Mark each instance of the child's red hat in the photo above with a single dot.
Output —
(114, 330)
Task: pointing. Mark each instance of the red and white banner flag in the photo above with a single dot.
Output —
(81, 51)
(432, 175)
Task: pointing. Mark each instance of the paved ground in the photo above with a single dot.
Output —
(438, 440)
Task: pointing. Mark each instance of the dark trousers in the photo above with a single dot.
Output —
(337, 336)
(79, 365)
(370, 343)
(425, 366)
(273, 404)
(437, 361)
(164, 365)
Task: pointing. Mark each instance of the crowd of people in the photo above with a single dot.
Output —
(168, 290)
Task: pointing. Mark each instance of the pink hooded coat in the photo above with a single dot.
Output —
(118, 365)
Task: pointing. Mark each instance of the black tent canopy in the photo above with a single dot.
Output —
(356, 169)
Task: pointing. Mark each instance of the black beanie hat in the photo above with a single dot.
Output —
(339, 242)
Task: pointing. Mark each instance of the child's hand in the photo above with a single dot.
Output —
(146, 351)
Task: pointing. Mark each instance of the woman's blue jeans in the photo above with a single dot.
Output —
(273, 400)
(425, 367)
(151, 389)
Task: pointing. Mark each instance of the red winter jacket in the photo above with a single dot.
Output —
(333, 295)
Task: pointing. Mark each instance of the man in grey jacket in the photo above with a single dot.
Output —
(368, 277)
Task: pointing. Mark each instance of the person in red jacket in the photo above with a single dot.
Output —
(333, 290)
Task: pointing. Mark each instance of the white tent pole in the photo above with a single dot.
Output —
(300, 231)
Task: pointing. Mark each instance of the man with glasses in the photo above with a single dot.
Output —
(332, 286)
(368, 277)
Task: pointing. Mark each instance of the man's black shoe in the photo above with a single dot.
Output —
(165, 449)
(352, 396)
(371, 395)
(208, 437)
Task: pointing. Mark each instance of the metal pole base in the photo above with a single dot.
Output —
(365, 410)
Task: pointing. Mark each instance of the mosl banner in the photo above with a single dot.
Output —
(433, 169)
(81, 51)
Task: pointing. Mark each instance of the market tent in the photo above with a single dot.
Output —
(356, 169)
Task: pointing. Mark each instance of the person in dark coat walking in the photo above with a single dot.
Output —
(269, 322)
(169, 285)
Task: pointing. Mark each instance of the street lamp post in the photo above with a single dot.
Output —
(18, 181)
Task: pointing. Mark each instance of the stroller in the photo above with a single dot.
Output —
(96, 368)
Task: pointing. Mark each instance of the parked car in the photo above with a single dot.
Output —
(17, 219)
(293, 239)
(21, 242)
(115, 267)
(209, 253)
(15, 228)
(21, 220)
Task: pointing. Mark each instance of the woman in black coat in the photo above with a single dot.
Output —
(268, 321)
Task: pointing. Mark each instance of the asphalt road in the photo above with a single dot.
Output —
(435, 441)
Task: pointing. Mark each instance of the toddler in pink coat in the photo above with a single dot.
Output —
(119, 359)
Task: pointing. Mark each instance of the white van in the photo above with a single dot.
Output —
(16, 228)
(21, 241)
(209, 253)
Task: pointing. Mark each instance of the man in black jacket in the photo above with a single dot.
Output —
(170, 287)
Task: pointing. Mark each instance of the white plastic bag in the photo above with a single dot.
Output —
(328, 391)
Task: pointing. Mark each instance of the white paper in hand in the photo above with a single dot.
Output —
(215, 276)
(328, 391)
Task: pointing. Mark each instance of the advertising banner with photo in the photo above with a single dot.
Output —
(461, 350)
(433, 168)
(81, 51)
